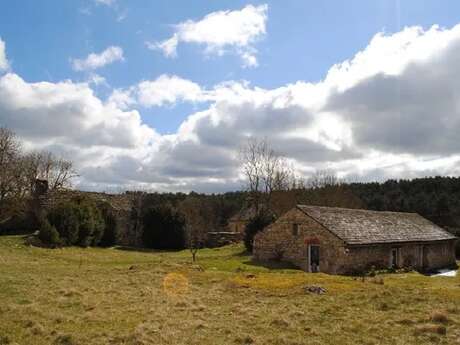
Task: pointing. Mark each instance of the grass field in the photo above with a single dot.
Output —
(112, 296)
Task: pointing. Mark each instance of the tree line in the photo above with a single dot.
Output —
(180, 220)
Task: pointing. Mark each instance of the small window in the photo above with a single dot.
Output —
(295, 229)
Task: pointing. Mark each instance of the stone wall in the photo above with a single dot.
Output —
(280, 241)
(424, 256)
(219, 239)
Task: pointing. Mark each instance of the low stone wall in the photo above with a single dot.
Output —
(219, 239)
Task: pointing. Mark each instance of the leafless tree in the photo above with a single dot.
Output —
(265, 171)
(19, 171)
(323, 178)
(197, 216)
(45, 166)
(10, 169)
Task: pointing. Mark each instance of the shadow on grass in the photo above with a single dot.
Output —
(243, 252)
(146, 250)
(272, 265)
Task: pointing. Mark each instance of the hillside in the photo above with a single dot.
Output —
(112, 296)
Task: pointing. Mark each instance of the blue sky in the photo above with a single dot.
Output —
(299, 41)
(304, 39)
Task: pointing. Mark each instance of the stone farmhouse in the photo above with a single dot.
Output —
(346, 241)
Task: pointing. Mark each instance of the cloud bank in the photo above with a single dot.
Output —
(390, 111)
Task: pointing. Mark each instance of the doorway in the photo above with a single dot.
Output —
(313, 258)
(423, 260)
(394, 258)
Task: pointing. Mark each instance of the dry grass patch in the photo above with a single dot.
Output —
(431, 328)
(229, 301)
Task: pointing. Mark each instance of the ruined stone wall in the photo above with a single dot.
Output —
(219, 239)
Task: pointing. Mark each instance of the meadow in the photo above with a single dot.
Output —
(117, 296)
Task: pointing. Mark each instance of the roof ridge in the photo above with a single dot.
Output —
(356, 209)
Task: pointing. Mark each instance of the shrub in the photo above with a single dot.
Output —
(163, 228)
(77, 222)
(91, 225)
(48, 233)
(19, 224)
(64, 217)
(256, 224)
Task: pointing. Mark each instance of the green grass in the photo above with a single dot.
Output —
(112, 296)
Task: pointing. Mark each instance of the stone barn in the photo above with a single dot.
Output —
(344, 241)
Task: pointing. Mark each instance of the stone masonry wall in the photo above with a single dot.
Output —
(278, 242)
(219, 239)
(437, 255)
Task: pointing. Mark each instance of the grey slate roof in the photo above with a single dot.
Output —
(355, 226)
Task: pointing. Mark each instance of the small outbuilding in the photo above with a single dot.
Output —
(344, 241)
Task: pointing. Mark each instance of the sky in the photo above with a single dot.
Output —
(161, 95)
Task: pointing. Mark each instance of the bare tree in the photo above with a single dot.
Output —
(265, 171)
(197, 216)
(19, 171)
(323, 178)
(11, 172)
(45, 166)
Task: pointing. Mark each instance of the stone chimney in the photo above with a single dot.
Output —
(41, 187)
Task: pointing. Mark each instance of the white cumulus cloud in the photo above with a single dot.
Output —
(221, 32)
(94, 61)
(390, 111)
(4, 65)
(168, 89)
